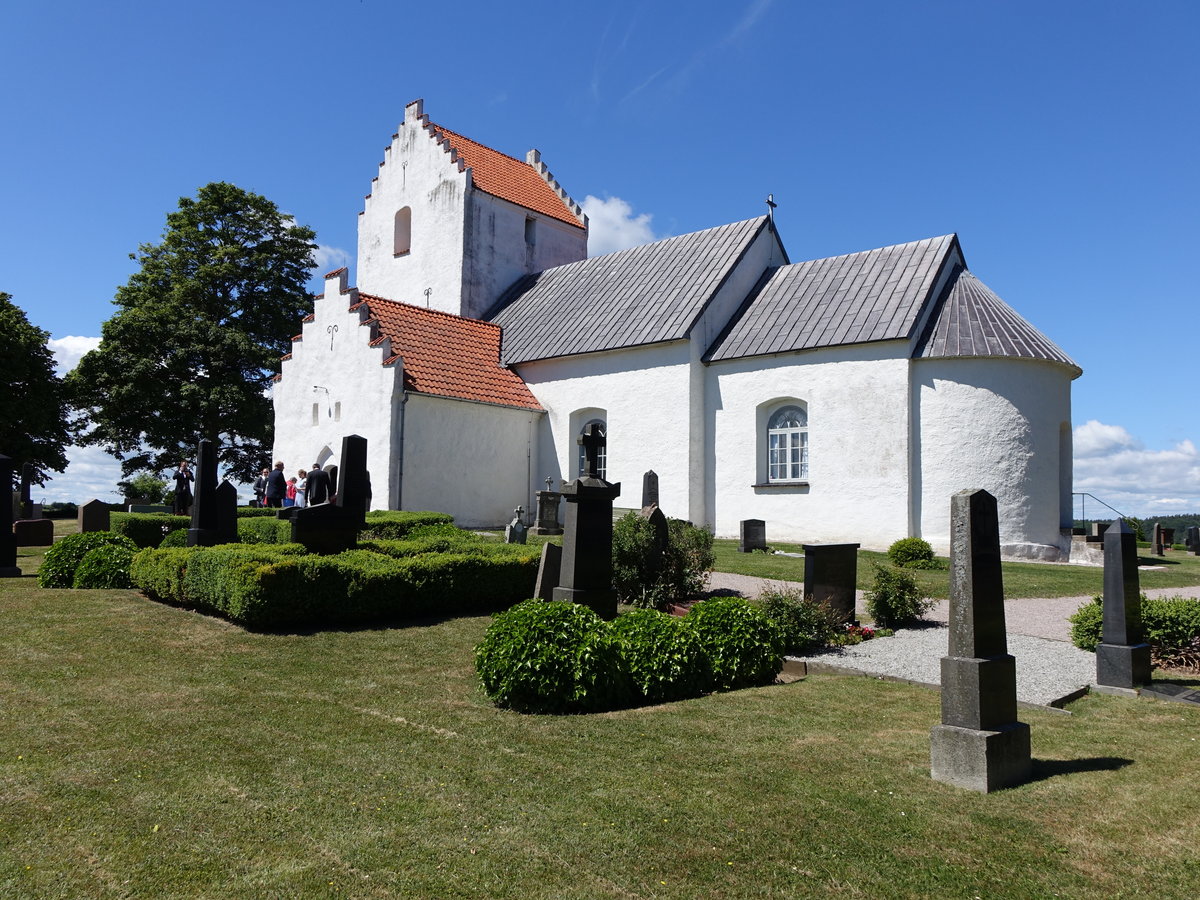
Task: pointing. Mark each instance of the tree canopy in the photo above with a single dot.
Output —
(197, 336)
(34, 416)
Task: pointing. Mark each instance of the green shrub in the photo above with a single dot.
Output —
(176, 538)
(930, 564)
(806, 624)
(1170, 625)
(159, 573)
(146, 529)
(264, 530)
(552, 658)
(894, 599)
(256, 512)
(442, 538)
(391, 525)
(744, 646)
(144, 486)
(648, 576)
(907, 551)
(61, 560)
(104, 567)
(665, 657)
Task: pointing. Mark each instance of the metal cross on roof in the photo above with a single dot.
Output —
(593, 442)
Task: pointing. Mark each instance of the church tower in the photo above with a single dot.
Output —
(450, 224)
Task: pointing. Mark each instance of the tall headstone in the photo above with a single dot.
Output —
(226, 503)
(548, 572)
(979, 744)
(754, 535)
(515, 531)
(8, 541)
(1168, 537)
(332, 471)
(334, 527)
(586, 574)
(650, 489)
(830, 572)
(1193, 539)
(26, 491)
(93, 516)
(1122, 657)
(203, 532)
(1158, 540)
(547, 511)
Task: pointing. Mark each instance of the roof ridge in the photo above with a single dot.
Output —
(425, 309)
(936, 237)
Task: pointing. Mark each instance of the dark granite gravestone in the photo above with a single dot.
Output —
(830, 571)
(547, 511)
(334, 527)
(93, 516)
(226, 503)
(1168, 537)
(548, 572)
(34, 532)
(979, 745)
(1122, 657)
(1193, 534)
(8, 541)
(586, 574)
(650, 489)
(1158, 540)
(203, 532)
(754, 535)
(515, 531)
(332, 471)
(26, 489)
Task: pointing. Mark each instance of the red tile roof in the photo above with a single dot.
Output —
(509, 178)
(448, 355)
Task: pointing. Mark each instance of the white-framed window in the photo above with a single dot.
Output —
(602, 456)
(787, 444)
(402, 238)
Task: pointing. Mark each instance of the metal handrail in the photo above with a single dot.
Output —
(1083, 505)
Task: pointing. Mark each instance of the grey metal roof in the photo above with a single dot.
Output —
(875, 295)
(644, 295)
(973, 321)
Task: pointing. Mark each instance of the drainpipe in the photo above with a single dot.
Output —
(400, 451)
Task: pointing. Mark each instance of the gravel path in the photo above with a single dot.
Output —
(1049, 667)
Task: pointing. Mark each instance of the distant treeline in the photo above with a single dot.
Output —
(1180, 523)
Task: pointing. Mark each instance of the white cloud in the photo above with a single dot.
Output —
(90, 474)
(327, 259)
(70, 349)
(1118, 469)
(613, 226)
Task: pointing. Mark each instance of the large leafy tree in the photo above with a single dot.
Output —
(34, 417)
(197, 336)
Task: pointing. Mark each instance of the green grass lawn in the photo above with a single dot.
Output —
(151, 752)
(1020, 579)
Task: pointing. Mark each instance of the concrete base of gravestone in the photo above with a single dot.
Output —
(602, 603)
(34, 532)
(830, 571)
(978, 693)
(983, 761)
(1123, 665)
(548, 572)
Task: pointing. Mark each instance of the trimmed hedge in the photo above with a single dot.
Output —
(255, 512)
(146, 529)
(282, 586)
(907, 551)
(391, 525)
(264, 530)
(1169, 624)
(61, 560)
(665, 656)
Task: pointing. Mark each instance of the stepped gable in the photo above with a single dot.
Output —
(874, 295)
(446, 355)
(974, 322)
(644, 295)
(511, 179)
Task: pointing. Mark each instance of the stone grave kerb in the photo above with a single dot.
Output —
(8, 540)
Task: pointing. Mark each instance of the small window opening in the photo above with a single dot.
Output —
(530, 230)
(402, 241)
(316, 414)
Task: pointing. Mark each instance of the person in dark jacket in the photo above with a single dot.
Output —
(276, 487)
(183, 488)
(260, 488)
(317, 486)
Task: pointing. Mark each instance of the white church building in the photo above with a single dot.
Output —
(841, 399)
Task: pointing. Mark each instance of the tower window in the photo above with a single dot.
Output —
(530, 230)
(402, 240)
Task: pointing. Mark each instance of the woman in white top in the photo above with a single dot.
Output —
(301, 488)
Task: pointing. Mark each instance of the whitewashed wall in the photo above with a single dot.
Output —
(360, 393)
(995, 424)
(857, 399)
(472, 460)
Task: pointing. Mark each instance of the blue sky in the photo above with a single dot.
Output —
(1059, 140)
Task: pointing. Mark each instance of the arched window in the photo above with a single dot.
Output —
(787, 444)
(602, 456)
(402, 241)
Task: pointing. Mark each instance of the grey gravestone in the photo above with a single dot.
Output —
(586, 575)
(547, 511)
(830, 571)
(203, 532)
(226, 524)
(548, 572)
(26, 488)
(1098, 529)
(1122, 657)
(979, 744)
(515, 531)
(93, 516)
(650, 489)
(754, 535)
(1158, 540)
(8, 541)
(1168, 537)
(334, 527)
(1193, 533)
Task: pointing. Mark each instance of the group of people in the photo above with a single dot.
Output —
(273, 489)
